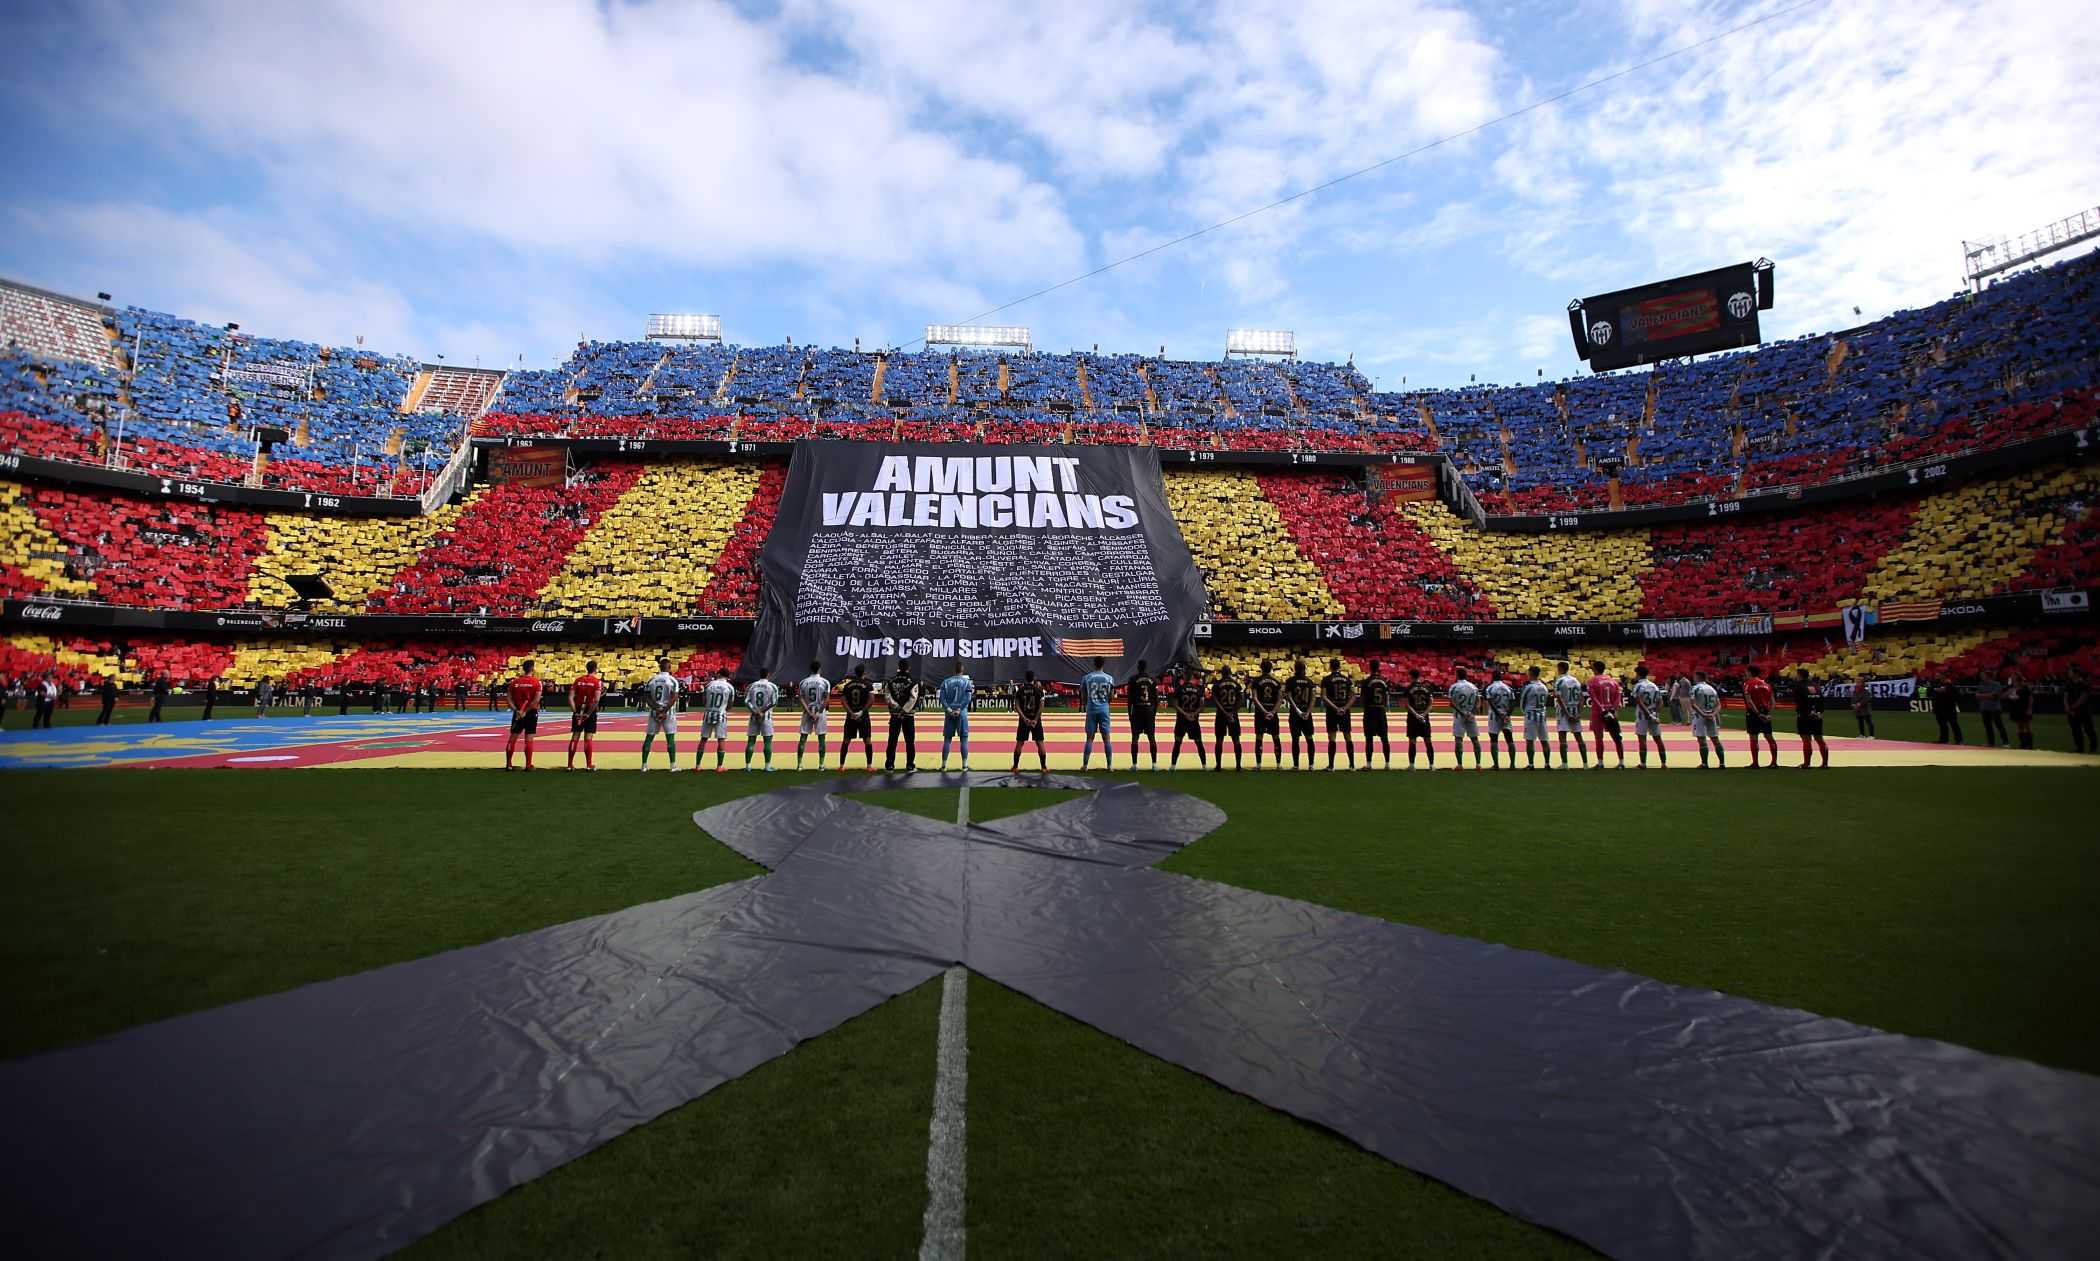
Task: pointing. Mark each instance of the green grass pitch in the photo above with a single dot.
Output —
(1953, 904)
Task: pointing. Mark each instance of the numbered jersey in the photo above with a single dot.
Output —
(1568, 693)
(1705, 700)
(660, 692)
(1098, 689)
(718, 696)
(762, 696)
(1465, 698)
(814, 691)
(1534, 699)
(1647, 696)
(1501, 698)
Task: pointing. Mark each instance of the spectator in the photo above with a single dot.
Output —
(46, 702)
(109, 700)
(1946, 710)
(1990, 702)
(2019, 705)
(2078, 709)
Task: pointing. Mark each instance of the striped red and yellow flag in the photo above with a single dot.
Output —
(1910, 611)
(1090, 647)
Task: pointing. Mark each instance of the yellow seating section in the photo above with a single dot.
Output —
(620, 664)
(93, 664)
(1250, 565)
(255, 659)
(355, 556)
(655, 550)
(1898, 653)
(22, 537)
(1973, 540)
(1594, 575)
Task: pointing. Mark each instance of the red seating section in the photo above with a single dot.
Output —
(160, 553)
(1377, 564)
(45, 439)
(733, 592)
(504, 547)
(1811, 561)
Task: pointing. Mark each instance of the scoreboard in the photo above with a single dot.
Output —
(1691, 315)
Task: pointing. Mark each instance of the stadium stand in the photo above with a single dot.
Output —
(504, 546)
(168, 553)
(1978, 539)
(1245, 553)
(1580, 576)
(355, 556)
(733, 592)
(1376, 564)
(654, 551)
(454, 391)
(2014, 362)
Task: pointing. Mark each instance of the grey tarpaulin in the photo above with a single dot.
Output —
(1650, 1120)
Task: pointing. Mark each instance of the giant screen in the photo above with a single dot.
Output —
(1005, 558)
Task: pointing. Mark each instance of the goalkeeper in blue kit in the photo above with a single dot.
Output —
(1096, 690)
(958, 690)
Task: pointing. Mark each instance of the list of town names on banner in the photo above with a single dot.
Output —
(928, 577)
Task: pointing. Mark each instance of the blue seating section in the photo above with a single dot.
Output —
(840, 376)
(1038, 380)
(1970, 370)
(1183, 390)
(918, 379)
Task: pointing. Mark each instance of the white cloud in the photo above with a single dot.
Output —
(1855, 144)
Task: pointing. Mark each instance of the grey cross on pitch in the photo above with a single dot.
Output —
(1648, 1120)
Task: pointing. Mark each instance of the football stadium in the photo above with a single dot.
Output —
(696, 791)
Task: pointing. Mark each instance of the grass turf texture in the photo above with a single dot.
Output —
(1954, 904)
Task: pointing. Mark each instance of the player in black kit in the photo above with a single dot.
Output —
(858, 693)
(1377, 695)
(1144, 708)
(1419, 699)
(1298, 694)
(1028, 705)
(1808, 716)
(1337, 692)
(1188, 714)
(1226, 693)
(1266, 696)
(902, 692)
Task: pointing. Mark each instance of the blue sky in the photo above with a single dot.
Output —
(486, 182)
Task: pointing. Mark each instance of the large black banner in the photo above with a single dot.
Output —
(1002, 558)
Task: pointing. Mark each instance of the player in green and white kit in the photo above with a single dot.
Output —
(814, 692)
(1464, 696)
(660, 695)
(760, 698)
(1534, 699)
(1647, 716)
(1568, 696)
(715, 700)
(1501, 698)
(1706, 719)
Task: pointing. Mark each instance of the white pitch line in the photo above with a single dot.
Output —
(947, 1147)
